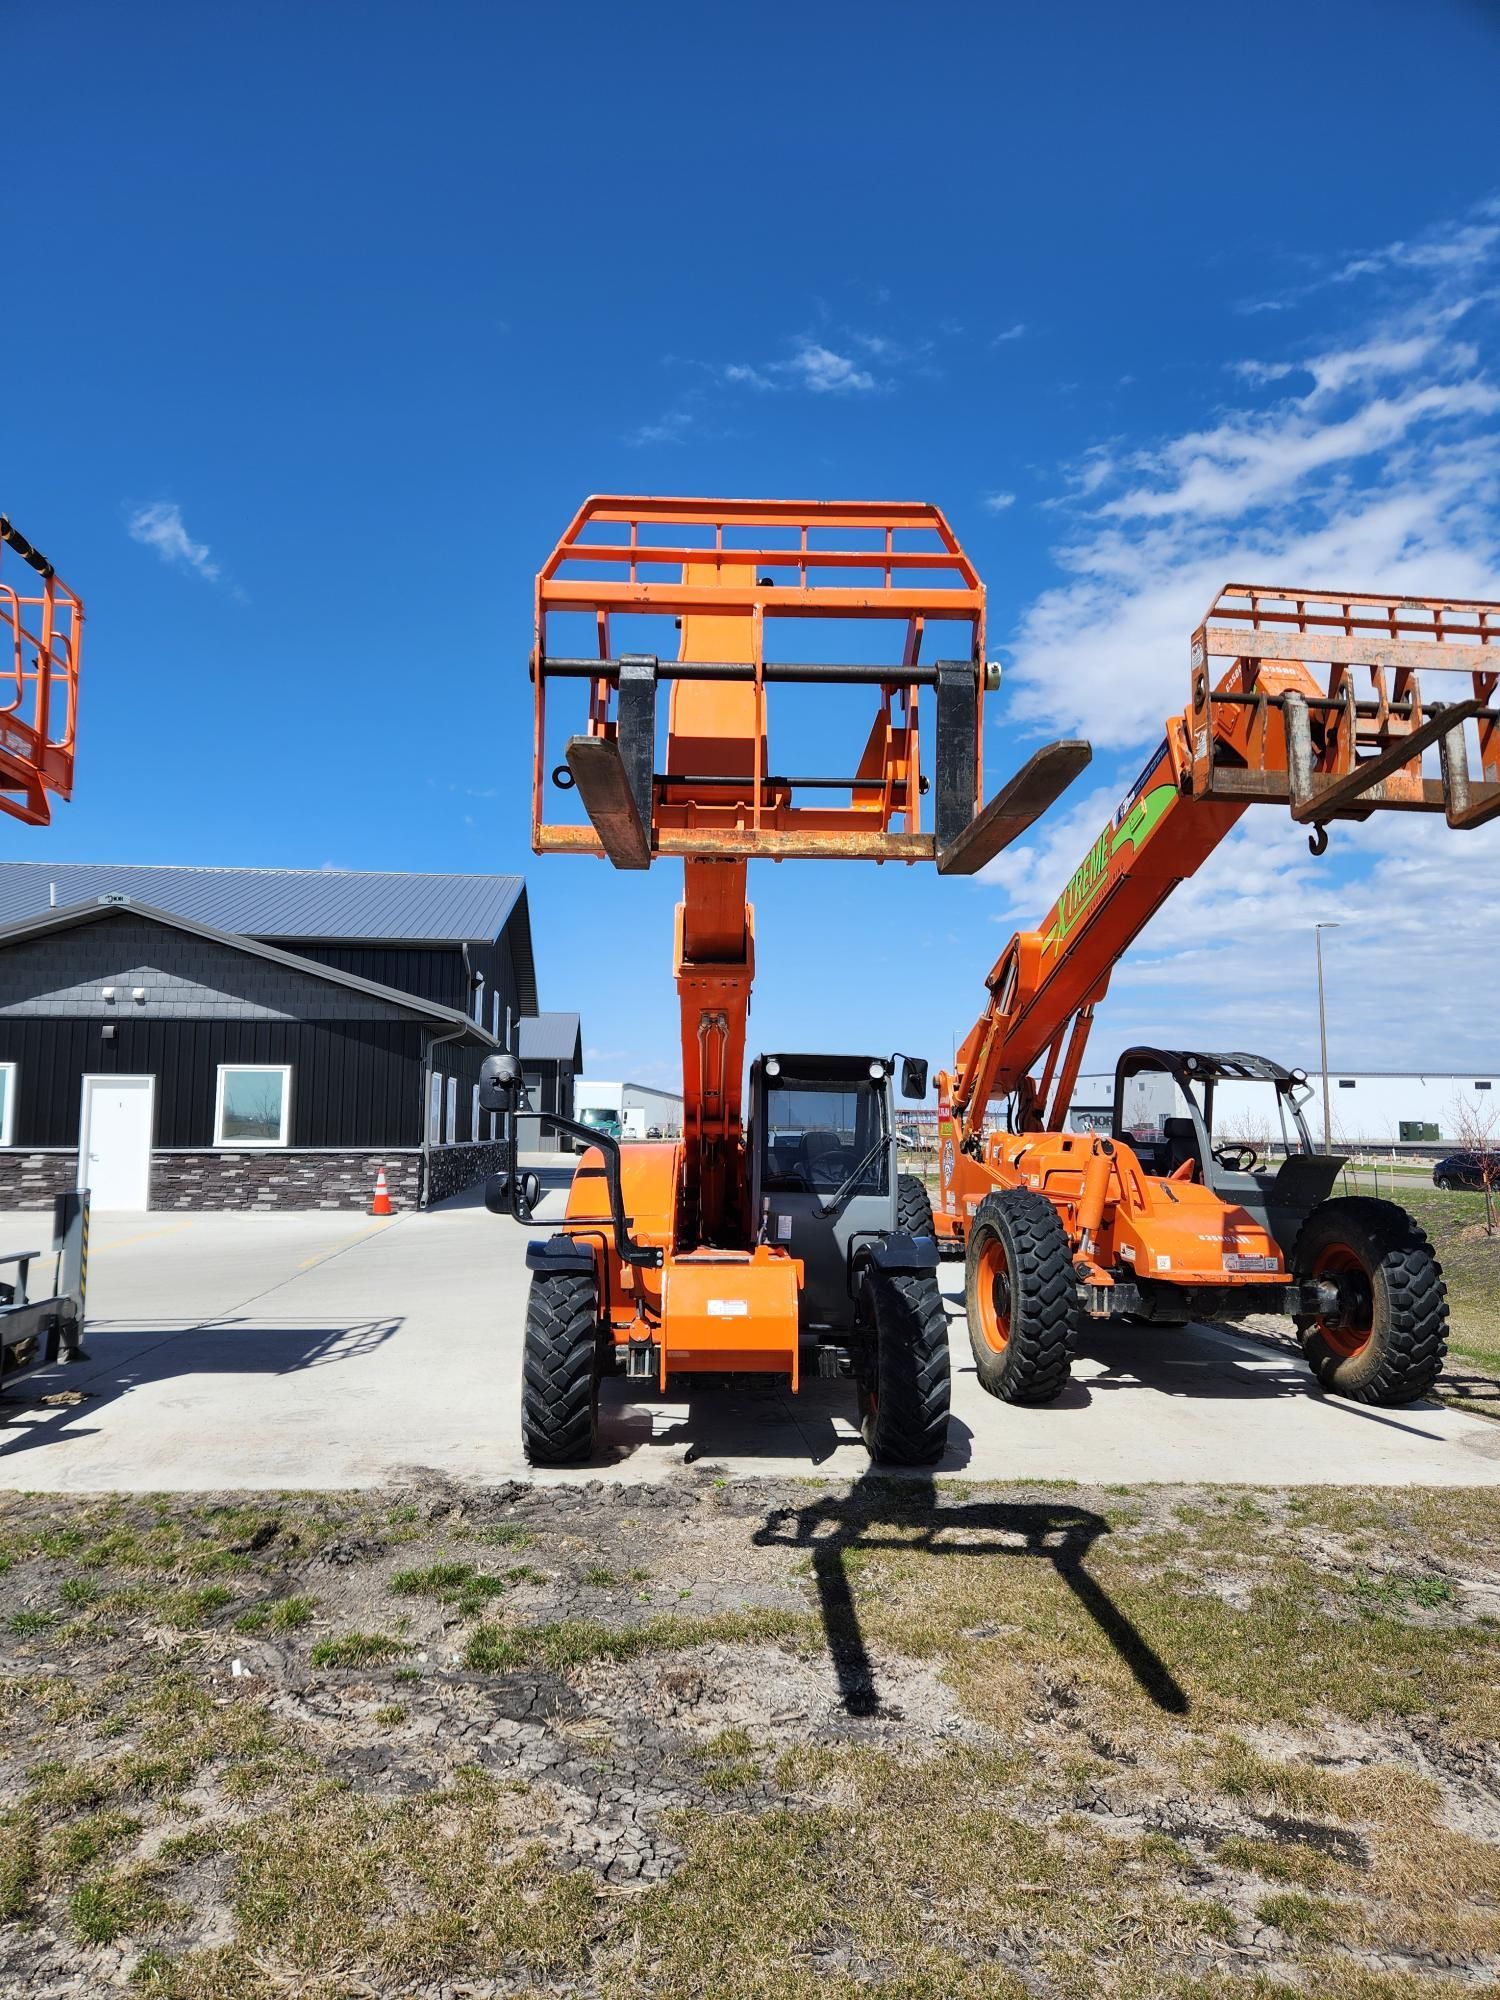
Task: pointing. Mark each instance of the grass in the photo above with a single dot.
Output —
(1471, 1268)
(285, 1614)
(358, 1649)
(458, 1585)
(980, 1839)
(571, 1642)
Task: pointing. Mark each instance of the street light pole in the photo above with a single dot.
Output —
(1318, 930)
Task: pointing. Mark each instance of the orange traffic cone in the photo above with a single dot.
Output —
(381, 1205)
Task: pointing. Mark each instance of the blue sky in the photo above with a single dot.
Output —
(321, 320)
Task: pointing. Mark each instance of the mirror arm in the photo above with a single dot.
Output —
(626, 1247)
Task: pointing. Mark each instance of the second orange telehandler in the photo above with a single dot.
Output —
(1160, 1219)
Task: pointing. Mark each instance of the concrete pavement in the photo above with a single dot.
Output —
(317, 1350)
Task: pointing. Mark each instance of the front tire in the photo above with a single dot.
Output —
(902, 1374)
(1385, 1343)
(1021, 1297)
(1445, 1182)
(560, 1368)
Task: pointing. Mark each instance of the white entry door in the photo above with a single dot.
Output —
(114, 1148)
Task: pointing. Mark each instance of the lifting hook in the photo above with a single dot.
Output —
(1317, 840)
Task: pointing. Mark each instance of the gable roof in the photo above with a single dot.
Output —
(550, 1037)
(411, 1004)
(327, 904)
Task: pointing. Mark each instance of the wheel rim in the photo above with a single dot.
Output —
(1348, 1334)
(994, 1295)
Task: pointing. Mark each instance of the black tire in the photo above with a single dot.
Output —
(902, 1371)
(913, 1207)
(560, 1368)
(1386, 1345)
(1444, 1182)
(1021, 1297)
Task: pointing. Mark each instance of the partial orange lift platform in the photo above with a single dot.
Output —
(41, 637)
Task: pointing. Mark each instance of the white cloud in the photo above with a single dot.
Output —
(1381, 473)
(159, 526)
(1015, 332)
(998, 502)
(669, 429)
(741, 373)
(819, 368)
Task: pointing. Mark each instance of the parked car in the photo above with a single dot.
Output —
(1466, 1170)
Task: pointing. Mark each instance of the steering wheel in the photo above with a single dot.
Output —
(1239, 1159)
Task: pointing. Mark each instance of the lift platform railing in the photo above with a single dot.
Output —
(733, 568)
(41, 633)
(1289, 721)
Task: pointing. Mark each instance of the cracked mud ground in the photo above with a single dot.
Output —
(736, 1738)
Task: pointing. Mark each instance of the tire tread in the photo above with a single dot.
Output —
(560, 1368)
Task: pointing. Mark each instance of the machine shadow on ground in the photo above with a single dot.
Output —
(750, 1418)
(125, 1355)
(909, 1513)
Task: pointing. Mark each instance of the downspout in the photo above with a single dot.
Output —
(433, 1042)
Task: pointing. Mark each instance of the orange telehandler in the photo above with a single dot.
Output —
(41, 635)
(790, 1241)
(1155, 1220)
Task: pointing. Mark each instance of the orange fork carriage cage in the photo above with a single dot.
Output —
(682, 1281)
(41, 636)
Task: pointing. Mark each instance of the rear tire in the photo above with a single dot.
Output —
(913, 1207)
(902, 1375)
(1021, 1297)
(1386, 1344)
(560, 1368)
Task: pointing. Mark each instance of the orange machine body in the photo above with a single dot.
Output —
(41, 641)
(1286, 724)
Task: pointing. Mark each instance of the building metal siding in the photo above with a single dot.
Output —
(432, 974)
(355, 1084)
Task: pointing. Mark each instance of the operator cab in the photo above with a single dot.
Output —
(823, 1166)
(1218, 1120)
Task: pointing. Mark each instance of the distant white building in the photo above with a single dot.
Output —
(1367, 1108)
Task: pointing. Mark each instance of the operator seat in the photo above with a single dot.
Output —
(1180, 1139)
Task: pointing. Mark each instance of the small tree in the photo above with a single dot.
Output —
(1476, 1127)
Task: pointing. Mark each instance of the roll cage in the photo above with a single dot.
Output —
(1197, 1073)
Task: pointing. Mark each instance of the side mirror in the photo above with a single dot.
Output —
(497, 1199)
(913, 1076)
(499, 1083)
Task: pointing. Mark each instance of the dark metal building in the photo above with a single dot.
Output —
(551, 1058)
(205, 1038)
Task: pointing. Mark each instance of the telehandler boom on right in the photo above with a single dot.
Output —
(1157, 1220)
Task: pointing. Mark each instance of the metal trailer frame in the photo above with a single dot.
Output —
(35, 1333)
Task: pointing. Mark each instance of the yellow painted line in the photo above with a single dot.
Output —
(348, 1243)
(146, 1235)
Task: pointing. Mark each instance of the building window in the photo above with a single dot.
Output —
(479, 998)
(1346, 1083)
(1478, 1086)
(452, 1110)
(253, 1104)
(435, 1109)
(7, 1102)
(474, 1114)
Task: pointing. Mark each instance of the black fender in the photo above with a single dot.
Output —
(899, 1254)
(559, 1253)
